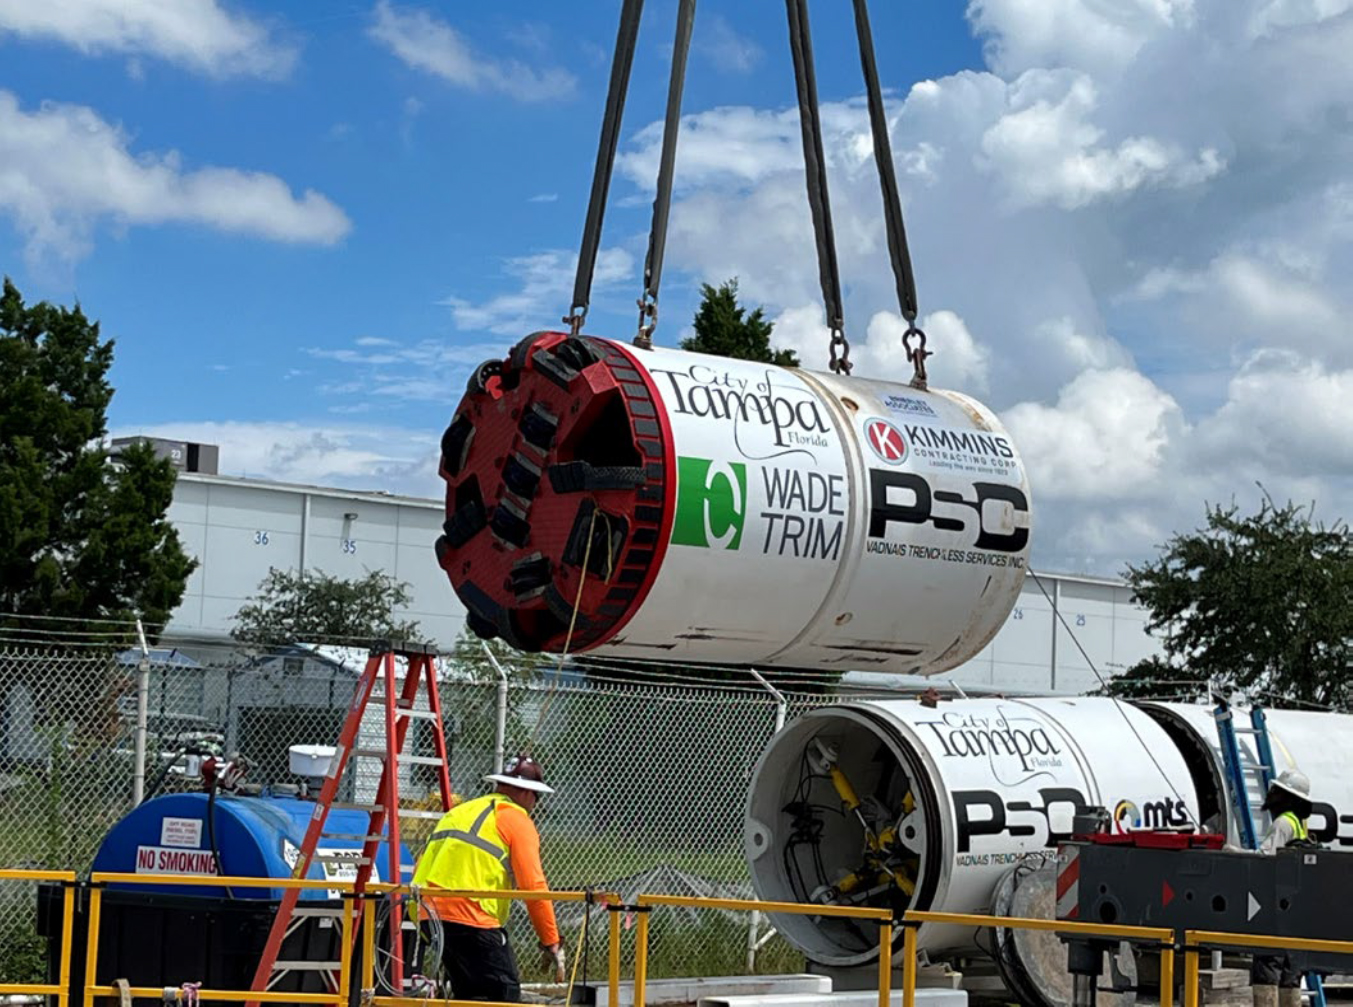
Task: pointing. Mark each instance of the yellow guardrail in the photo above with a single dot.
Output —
(609, 899)
(61, 989)
(97, 881)
(93, 989)
(912, 920)
(884, 917)
(1196, 940)
(1167, 941)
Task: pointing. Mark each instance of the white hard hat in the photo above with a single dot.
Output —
(1294, 782)
(524, 772)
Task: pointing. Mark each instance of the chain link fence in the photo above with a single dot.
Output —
(651, 775)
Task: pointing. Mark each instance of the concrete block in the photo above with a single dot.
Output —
(1223, 979)
(697, 989)
(856, 998)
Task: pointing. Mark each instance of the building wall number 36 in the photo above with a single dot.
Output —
(348, 545)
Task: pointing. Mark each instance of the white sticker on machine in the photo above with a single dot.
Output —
(341, 865)
(185, 833)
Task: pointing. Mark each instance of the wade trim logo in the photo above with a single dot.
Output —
(885, 440)
(711, 503)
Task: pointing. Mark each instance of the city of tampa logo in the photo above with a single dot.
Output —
(711, 503)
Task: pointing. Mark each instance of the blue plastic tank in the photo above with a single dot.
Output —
(257, 837)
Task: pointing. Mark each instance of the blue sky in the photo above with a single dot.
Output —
(434, 185)
(1130, 220)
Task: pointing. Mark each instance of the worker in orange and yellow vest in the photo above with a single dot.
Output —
(489, 844)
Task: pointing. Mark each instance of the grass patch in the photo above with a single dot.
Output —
(23, 955)
(593, 861)
(716, 945)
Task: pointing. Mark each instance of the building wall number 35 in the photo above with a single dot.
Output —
(348, 545)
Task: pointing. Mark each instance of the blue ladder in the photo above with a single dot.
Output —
(1236, 783)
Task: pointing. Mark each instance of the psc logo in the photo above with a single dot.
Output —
(711, 503)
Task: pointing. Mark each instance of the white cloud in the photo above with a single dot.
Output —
(544, 283)
(879, 355)
(1251, 297)
(1106, 437)
(724, 47)
(199, 35)
(1284, 415)
(426, 43)
(1116, 469)
(544, 197)
(1277, 15)
(742, 145)
(392, 374)
(1061, 342)
(1047, 150)
(369, 457)
(63, 170)
(1021, 34)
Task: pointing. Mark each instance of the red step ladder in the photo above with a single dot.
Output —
(401, 710)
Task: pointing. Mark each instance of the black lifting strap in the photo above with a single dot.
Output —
(819, 201)
(601, 175)
(892, 205)
(662, 202)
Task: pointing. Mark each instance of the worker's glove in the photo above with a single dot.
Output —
(554, 957)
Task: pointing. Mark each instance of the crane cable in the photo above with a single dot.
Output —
(662, 201)
(898, 254)
(814, 167)
(819, 200)
(625, 38)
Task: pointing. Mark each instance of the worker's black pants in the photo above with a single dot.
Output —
(1273, 970)
(480, 963)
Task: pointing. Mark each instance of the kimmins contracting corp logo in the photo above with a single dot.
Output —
(885, 440)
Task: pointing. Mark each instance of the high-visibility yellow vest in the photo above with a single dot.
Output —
(1299, 832)
(466, 852)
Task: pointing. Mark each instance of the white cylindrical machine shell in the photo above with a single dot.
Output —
(830, 522)
(1317, 744)
(736, 512)
(992, 780)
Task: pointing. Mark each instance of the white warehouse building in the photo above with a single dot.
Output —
(238, 528)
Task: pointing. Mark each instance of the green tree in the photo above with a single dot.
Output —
(81, 538)
(316, 607)
(723, 327)
(470, 663)
(1260, 604)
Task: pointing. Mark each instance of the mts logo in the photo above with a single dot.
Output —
(711, 503)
